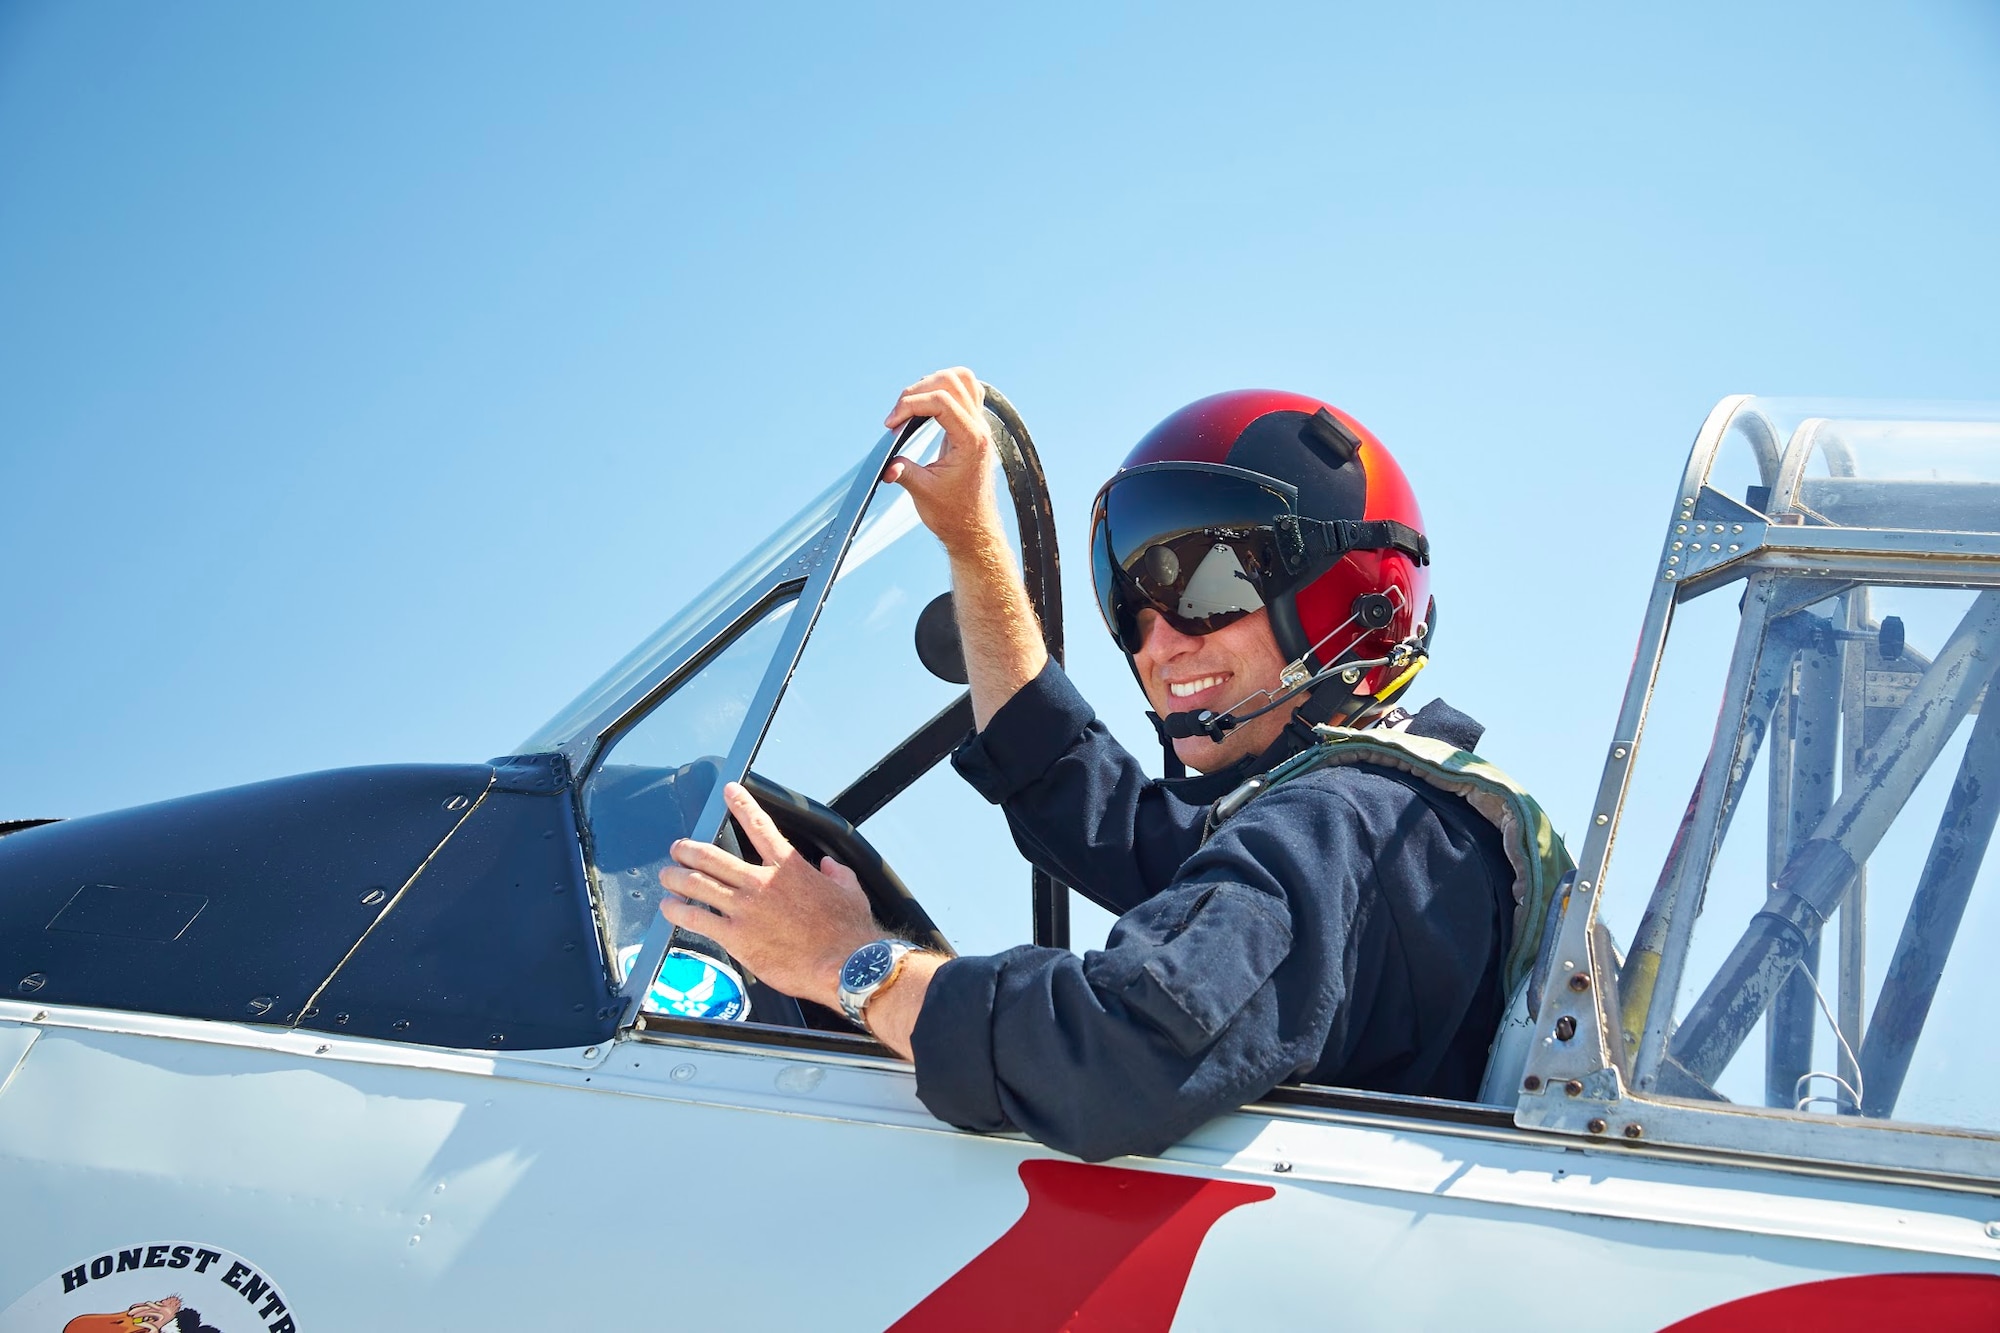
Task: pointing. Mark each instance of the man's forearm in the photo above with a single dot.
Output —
(892, 1014)
(996, 624)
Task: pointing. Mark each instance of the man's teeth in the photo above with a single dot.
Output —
(1182, 689)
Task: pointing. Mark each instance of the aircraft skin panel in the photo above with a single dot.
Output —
(392, 1187)
(14, 1044)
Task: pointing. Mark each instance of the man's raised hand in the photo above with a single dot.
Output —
(789, 923)
(954, 495)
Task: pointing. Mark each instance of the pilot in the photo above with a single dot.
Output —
(1338, 905)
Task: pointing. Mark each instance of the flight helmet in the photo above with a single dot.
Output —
(1262, 499)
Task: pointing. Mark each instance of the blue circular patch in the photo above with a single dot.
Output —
(693, 985)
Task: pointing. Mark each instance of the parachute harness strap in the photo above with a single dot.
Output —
(1535, 852)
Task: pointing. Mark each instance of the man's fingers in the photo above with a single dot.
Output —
(957, 383)
(960, 419)
(839, 873)
(694, 885)
(699, 920)
(711, 860)
(764, 835)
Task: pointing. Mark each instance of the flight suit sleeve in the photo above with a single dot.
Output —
(1206, 996)
(1079, 804)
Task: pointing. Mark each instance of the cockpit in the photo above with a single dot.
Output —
(1775, 940)
(1785, 900)
(823, 670)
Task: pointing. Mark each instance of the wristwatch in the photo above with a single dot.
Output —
(866, 971)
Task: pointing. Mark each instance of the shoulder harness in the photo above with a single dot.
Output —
(1535, 852)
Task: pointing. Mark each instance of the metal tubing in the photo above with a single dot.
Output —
(1672, 902)
(1937, 907)
(1854, 907)
(1808, 794)
(1813, 884)
(1768, 689)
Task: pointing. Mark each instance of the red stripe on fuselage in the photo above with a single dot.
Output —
(1933, 1302)
(1100, 1248)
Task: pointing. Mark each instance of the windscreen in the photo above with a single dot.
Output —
(1839, 961)
(597, 706)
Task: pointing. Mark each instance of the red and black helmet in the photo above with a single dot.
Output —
(1262, 499)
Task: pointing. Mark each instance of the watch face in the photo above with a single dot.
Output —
(869, 964)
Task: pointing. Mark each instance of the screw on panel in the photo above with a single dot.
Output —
(322, 1049)
(341, 1019)
(33, 982)
(590, 1052)
(1583, 886)
(1993, 1230)
(1565, 1028)
(1618, 753)
(1595, 1126)
(401, 1025)
(1579, 982)
(457, 803)
(1635, 1130)
(1603, 819)
(40, 1015)
(373, 896)
(495, 1038)
(681, 1073)
(1574, 1087)
(262, 1004)
(1282, 1168)
(1532, 1083)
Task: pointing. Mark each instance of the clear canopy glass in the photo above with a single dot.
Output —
(1909, 466)
(1795, 875)
(598, 705)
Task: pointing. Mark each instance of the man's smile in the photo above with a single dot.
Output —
(1188, 689)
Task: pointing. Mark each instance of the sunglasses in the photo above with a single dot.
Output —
(1201, 544)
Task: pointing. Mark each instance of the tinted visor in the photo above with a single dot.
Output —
(1196, 542)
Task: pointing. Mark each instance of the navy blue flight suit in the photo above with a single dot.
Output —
(1345, 928)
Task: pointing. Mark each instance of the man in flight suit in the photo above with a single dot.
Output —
(1261, 560)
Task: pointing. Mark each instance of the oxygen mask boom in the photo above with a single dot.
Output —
(1372, 611)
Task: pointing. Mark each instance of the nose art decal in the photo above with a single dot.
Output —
(1100, 1248)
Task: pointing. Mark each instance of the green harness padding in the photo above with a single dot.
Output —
(1535, 851)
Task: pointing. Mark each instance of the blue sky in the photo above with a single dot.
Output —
(371, 376)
